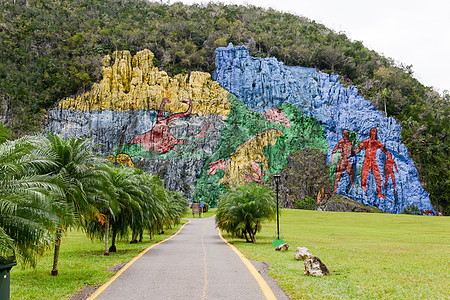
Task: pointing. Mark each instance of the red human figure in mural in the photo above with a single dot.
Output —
(389, 170)
(370, 161)
(159, 139)
(346, 147)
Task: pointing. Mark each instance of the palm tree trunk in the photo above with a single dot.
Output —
(254, 235)
(113, 241)
(134, 235)
(106, 235)
(56, 254)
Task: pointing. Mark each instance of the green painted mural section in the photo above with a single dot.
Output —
(242, 124)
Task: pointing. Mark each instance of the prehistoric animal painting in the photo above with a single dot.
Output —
(428, 212)
(159, 139)
(243, 163)
(276, 115)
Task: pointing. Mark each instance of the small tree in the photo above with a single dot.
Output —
(306, 203)
(411, 210)
(26, 216)
(72, 163)
(242, 210)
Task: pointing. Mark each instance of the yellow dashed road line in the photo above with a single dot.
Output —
(206, 270)
(108, 283)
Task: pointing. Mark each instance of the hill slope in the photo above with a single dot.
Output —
(52, 49)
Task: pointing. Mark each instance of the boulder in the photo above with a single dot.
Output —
(282, 247)
(302, 253)
(315, 267)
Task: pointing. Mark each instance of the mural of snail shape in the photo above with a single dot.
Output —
(122, 159)
(276, 115)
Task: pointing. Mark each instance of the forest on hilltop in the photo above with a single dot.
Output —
(51, 49)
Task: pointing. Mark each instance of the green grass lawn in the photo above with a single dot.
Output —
(81, 263)
(370, 256)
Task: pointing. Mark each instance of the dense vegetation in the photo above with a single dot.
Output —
(51, 49)
(49, 185)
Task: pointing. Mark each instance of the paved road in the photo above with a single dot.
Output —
(195, 264)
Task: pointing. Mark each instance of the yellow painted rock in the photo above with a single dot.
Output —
(134, 83)
(240, 161)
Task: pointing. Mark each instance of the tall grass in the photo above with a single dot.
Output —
(370, 256)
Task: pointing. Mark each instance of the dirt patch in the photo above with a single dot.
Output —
(262, 269)
(116, 267)
(84, 293)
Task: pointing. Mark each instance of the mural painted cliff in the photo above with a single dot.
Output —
(375, 154)
(202, 135)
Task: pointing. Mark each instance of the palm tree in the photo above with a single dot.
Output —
(160, 207)
(122, 207)
(74, 165)
(242, 210)
(26, 215)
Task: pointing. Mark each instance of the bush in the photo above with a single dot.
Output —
(306, 203)
(242, 210)
(411, 210)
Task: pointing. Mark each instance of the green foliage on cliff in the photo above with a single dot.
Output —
(51, 49)
(5, 133)
(242, 124)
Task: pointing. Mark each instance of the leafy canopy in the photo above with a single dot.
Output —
(242, 210)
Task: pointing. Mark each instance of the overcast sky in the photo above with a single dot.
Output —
(411, 32)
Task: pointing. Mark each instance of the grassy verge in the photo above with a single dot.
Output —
(81, 264)
(370, 256)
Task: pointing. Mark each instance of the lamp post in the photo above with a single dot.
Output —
(277, 182)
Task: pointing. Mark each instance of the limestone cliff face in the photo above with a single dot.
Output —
(201, 134)
(134, 83)
(265, 83)
(129, 102)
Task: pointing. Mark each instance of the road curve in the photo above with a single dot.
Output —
(194, 264)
